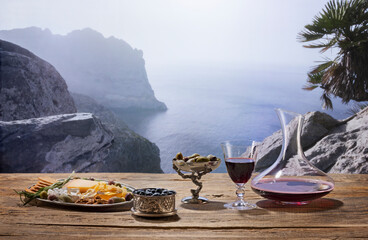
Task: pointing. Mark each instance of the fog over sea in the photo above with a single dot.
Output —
(208, 106)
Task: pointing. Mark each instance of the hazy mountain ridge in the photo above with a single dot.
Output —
(108, 69)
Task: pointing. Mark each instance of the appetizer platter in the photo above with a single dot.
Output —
(88, 193)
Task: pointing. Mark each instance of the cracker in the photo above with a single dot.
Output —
(41, 185)
(34, 189)
(47, 180)
(29, 190)
(42, 181)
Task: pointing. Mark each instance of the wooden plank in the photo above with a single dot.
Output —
(344, 210)
(84, 232)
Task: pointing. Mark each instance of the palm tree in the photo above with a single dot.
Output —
(342, 25)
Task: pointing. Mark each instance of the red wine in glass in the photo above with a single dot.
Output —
(240, 157)
(240, 169)
(292, 190)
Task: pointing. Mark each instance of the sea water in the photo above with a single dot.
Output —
(206, 108)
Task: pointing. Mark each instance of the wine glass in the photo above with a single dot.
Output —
(240, 158)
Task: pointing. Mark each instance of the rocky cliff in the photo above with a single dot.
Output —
(345, 148)
(79, 142)
(129, 151)
(30, 87)
(108, 69)
(331, 145)
(59, 143)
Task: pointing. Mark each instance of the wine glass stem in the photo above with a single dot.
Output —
(240, 193)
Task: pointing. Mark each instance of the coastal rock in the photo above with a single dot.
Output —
(85, 103)
(30, 87)
(108, 69)
(316, 126)
(345, 149)
(332, 146)
(79, 142)
(59, 143)
(133, 152)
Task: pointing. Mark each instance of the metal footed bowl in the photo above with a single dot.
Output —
(154, 206)
(196, 166)
(197, 170)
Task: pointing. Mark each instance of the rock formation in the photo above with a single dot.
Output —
(30, 87)
(133, 152)
(108, 69)
(345, 148)
(79, 142)
(331, 145)
(60, 143)
(316, 126)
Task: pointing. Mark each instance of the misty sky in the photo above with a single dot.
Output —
(183, 32)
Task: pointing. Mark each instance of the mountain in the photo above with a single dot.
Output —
(40, 131)
(30, 87)
(108, 69)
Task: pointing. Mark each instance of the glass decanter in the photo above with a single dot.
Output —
(292, 179)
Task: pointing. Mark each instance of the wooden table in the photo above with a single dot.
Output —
(342, 214)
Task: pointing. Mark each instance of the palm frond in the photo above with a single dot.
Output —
(320, 44)
(315, 78)
(321, 68)
(310, 87)
(327, 103)
(308, 35)
(342, 24)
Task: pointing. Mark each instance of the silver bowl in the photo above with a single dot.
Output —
(154, 206)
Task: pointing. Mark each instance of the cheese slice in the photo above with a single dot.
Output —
(82, 184)
(106, 191)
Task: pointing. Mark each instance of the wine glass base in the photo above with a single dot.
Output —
(240, 205)
(200, 200)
